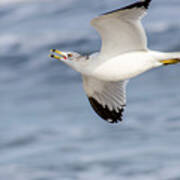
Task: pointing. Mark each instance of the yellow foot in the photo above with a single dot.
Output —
(170, 61)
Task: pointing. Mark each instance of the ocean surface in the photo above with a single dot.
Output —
(48, 130)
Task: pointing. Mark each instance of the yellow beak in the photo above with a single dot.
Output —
(62, 55)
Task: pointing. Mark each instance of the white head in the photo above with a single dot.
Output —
(72, 59)
(65, 56)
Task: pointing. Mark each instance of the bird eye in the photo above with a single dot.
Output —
(69, 55)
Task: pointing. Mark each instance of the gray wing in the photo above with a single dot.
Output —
(108, 99)
(121, 30)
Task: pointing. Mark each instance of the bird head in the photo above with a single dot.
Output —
(65, 56)
(73, 59)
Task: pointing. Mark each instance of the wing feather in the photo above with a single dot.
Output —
(106, 98)
(121, 30)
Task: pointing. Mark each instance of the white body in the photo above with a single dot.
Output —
(122, 67)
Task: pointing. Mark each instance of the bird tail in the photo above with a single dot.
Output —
(170, 58)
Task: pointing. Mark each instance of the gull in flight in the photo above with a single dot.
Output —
(123, 55)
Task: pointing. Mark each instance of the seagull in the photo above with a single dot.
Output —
(123, 55)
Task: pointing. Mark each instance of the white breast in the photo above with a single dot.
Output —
(124, 66)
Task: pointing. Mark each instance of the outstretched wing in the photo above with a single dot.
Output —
(121, 30)
(108, 99)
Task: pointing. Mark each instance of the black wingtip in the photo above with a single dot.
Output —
(147, 3)
(111, 116)
(139, 4)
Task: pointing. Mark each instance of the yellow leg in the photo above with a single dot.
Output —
(170, 61)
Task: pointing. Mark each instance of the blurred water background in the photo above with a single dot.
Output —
(48, 130)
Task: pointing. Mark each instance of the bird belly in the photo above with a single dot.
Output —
(125, 66)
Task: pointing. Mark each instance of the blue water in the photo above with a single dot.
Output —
(48, 130)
